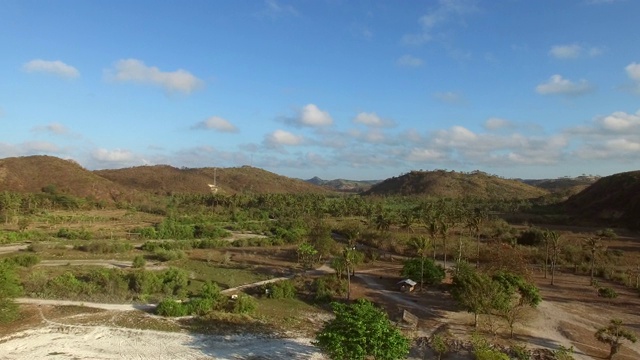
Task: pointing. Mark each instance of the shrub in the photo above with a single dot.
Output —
(244, 304)
(168, 255)
(139, 262)
(608, 233)
(281, 290)
(70, 234)
(607, 292)
(328, 287)
(431, 273)
(170, 307)
(24, 260)
(105, 247)
(531, 237)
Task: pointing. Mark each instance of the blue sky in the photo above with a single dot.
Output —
(329, 88)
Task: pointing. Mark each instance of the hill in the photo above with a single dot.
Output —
(343, 185)
(615, 197)
(451, 184)
(564, 185)
(31, 174)
(164, 179)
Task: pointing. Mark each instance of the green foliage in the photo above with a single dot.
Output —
(607, 233)
(138, 262)
(24, 260)
(9, 289)
(172, 308)
(360, 331)
(531, 237)
(244, 304)
(175, 282)
(105, 247)
(607, 292)
(520, 352)
(475, 292)
(439, 345)
(482, 350)
(168, 255)
(328, 288)
(71, 234)
(281, 290)
(423, 268)
(306, 254)
(614, 335)
(563, 353)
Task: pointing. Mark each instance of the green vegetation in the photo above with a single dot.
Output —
(9, 289)
(614, 335)
(360, 331)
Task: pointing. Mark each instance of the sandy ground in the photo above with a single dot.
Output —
(56, 340)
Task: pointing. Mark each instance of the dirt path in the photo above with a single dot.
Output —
(105, 306)
(13, 248)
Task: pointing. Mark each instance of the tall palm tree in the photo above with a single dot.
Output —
(421, 246)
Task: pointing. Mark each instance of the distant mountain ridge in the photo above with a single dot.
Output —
(343, 185)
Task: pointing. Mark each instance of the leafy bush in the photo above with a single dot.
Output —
(244, 304)
(168, 255)
(328, 287)
(607, 292)
(81, 234)
(607, 233)
(105, 247)
(281, 290)
(138, 262)
(531, 237)
(172, 308)
(431, 273)
(24, 260)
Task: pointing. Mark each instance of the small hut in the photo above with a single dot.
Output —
(407, 285)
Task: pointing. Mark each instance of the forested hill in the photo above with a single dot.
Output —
(164, 179)
(452, 184)
(615, 197)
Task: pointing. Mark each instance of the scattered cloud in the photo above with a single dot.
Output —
(444, 13)
(280, 138)
(573, 51)
(216, 123)
(372, 120)
(557, 85)
(633, 70)
(311, 116)
(53, 128)
(133, 70)
(275, 9)
(450, 97)
(56, 67)
(116, 156)
(495, 123)
(409, 61)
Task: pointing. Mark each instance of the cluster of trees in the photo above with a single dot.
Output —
(502, 294)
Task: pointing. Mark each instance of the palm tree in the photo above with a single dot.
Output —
(593, 245)
(421, 245)
(554, 239)
(614, 335)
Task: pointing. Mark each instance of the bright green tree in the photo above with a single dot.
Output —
(361, 331)
(424, 269)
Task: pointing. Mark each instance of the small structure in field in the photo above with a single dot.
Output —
(407, 285)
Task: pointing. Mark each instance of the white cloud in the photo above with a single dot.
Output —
(310, 115)
(422, 154)
(133, 70)
(573, 51)
(56, 67)
(620, 121)
(216, 123)
(495, 123)
(54, 128)
(409, 61)
(281, 137)
(566, 51)
(372, 120)
(633, 71)
(119, 156)
(557, 85)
